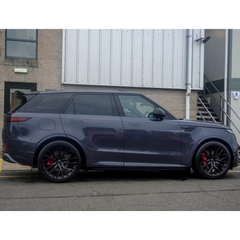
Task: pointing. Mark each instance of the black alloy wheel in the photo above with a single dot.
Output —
(59, 161)
(212, 160)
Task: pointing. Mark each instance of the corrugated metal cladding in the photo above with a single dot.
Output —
(131, 58)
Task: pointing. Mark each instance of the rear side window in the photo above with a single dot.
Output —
(46, 103)
(51, 102)
(90, 104)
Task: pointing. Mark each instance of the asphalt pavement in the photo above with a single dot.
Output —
(24, 190)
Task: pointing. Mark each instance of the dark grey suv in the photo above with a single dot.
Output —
(61, 132)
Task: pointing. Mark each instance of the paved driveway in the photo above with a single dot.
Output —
(23, 189)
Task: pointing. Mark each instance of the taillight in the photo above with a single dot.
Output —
(16, 119)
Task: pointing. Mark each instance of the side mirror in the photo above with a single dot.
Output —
(158, 112)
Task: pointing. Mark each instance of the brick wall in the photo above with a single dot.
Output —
(46, 71)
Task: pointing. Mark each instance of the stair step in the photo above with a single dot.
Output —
(201, 111)
(206, 105)
(209, 117)
(204, 109)
(207, 114)
(208, 120)
(203, 100)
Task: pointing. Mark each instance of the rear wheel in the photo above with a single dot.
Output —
(212, 160)
(59, 161)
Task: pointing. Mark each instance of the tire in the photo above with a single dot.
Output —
(59, 161)
(212, 160)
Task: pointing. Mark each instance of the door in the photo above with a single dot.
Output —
(10, 100)
(92, 119)
(149, 142)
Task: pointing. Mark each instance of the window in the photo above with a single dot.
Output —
(10, 99)
(139, 107)
(46, 103)
(50, 103)
(135, 106)
(90, 104)
(21, 43)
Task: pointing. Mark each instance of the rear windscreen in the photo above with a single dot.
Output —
(46, 103)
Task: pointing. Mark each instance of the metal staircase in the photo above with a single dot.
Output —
(204, 110)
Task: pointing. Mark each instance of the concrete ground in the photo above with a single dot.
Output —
(12, 166)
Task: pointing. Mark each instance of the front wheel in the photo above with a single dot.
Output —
(59, 161)
(212, 160)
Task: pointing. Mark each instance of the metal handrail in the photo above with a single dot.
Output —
(223, 110)
(201, 115)
(215, 100)
(221, 96)
(206, 109)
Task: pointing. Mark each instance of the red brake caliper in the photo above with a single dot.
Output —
(50, 161)
(204, 160)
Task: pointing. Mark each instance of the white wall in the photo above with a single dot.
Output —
(151, 58)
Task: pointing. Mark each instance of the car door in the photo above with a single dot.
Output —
(149, 142)
(92, 119)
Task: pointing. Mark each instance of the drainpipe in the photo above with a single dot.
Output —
(225, 75)
(189, 73)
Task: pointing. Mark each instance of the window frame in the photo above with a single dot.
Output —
(21, 40)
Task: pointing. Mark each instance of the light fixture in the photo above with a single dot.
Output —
(20, 70)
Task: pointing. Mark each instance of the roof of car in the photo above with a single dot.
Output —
(83, 91)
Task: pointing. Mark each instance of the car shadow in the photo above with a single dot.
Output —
(133, 176)
(110, 176)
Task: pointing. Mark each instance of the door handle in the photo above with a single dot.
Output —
(77, 121)
(134, 124)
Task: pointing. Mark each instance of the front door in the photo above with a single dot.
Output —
(149, 142)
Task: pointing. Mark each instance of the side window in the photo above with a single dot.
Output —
(90, 104)
(46, 103)
(50, 103)
(135, 106)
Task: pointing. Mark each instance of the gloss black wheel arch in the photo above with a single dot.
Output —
(212, 160)
(59, 161)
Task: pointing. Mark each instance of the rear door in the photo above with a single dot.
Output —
(92, 119)
(149, 142)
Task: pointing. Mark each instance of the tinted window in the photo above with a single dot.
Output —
(51, 102)
(90, 104)
(46, 103)
(135, 106)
